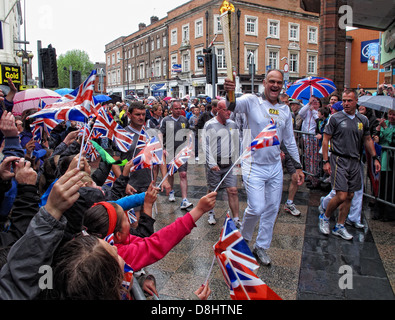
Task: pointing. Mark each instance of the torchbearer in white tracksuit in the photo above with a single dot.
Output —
(263, 179)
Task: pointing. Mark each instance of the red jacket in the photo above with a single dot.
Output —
(141, 252)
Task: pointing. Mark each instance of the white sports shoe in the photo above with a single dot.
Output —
(211, 218)
(185, 204)
(172, 198)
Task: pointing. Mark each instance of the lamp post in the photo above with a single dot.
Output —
(266, 60)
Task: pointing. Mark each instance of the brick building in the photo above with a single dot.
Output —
(164, 55)
(272, 32)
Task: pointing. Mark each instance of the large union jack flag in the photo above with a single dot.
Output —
(151, 155)
(77, 106)
(237, 264)
(181, 158)
(110, 129)
(83, 95)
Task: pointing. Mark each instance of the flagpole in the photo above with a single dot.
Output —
(160, 184)
(82, 148)
(231, 168)
(209, 273)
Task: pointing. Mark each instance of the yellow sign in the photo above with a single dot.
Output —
(12, 72)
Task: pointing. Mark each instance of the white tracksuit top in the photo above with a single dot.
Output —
(259, 112)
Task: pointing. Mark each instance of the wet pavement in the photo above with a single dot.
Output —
(306, 265)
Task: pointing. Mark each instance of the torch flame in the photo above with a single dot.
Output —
(226, 6)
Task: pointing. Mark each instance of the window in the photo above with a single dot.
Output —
(164, 41)
(312, 64)
(173, 62)
(312, 34)
(221, 61)
(186, 62)
(274, 28)
(133, 74)
(158, 43)
(293, 32)
(251, 26)
(137, 50)
(141, 76)
(217, 24)
(152, 44)
(109, 79)
(173, 37)
(108, 60)
(199, 28)
(251, 56)
(113, 58)
(118, 76)
(293, 62)
(185, 33)
(118, 57)
(273, 59)
(142, 47)
(198, 52)
(133, 52)
(164, 67)
(147, 46)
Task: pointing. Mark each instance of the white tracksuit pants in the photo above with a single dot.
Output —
(264, 186)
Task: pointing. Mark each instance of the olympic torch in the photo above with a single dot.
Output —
(226, 11)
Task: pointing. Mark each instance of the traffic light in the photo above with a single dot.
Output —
(49, 67)
(76, 79)
(211, 66)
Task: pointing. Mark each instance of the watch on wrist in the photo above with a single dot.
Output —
(325, 161)
(376, 158)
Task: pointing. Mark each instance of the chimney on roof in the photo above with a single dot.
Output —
(154, 19)
(142, 26)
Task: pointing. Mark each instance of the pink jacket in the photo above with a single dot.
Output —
(141, 252)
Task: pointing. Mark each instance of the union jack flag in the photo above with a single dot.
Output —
(131, 216)
(237, 264)
(127, 276)
(266, 138)
(91, 152)
(151, 155)
(75, 106)
(181, 158)
(83, 95)
(110, 239)
(143, 137)
(110, 179)
(42, 124)
(109, 128)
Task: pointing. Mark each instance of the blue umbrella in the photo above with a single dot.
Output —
(64, 91)
(100, 98)
(312, 86)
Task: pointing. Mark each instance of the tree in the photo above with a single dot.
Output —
(79, 60)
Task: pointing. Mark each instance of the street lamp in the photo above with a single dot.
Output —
(26, 56)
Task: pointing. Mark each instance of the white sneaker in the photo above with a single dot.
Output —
(185, 204)
(172, 198)
(211, 218)
(341, 231)
(291, 208)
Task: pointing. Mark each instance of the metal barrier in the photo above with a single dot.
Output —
(379, 187)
